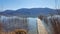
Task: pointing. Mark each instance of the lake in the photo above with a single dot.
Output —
(32, 23)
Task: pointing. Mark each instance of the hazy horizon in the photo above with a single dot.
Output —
(28, 8)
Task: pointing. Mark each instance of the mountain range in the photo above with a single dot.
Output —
(30, 12)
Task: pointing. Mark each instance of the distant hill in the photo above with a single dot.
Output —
(30, 12)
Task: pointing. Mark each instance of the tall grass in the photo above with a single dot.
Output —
(53, 23)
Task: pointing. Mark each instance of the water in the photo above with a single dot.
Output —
(32, 23)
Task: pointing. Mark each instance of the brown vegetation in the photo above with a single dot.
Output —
(55, 23)
(17, 31)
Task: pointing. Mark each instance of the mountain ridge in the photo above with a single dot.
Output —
(30, 12)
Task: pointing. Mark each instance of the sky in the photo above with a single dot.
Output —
(18, 4)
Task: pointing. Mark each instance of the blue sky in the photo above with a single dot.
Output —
(17, 4)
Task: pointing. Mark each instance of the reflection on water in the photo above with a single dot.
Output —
(32, 25)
